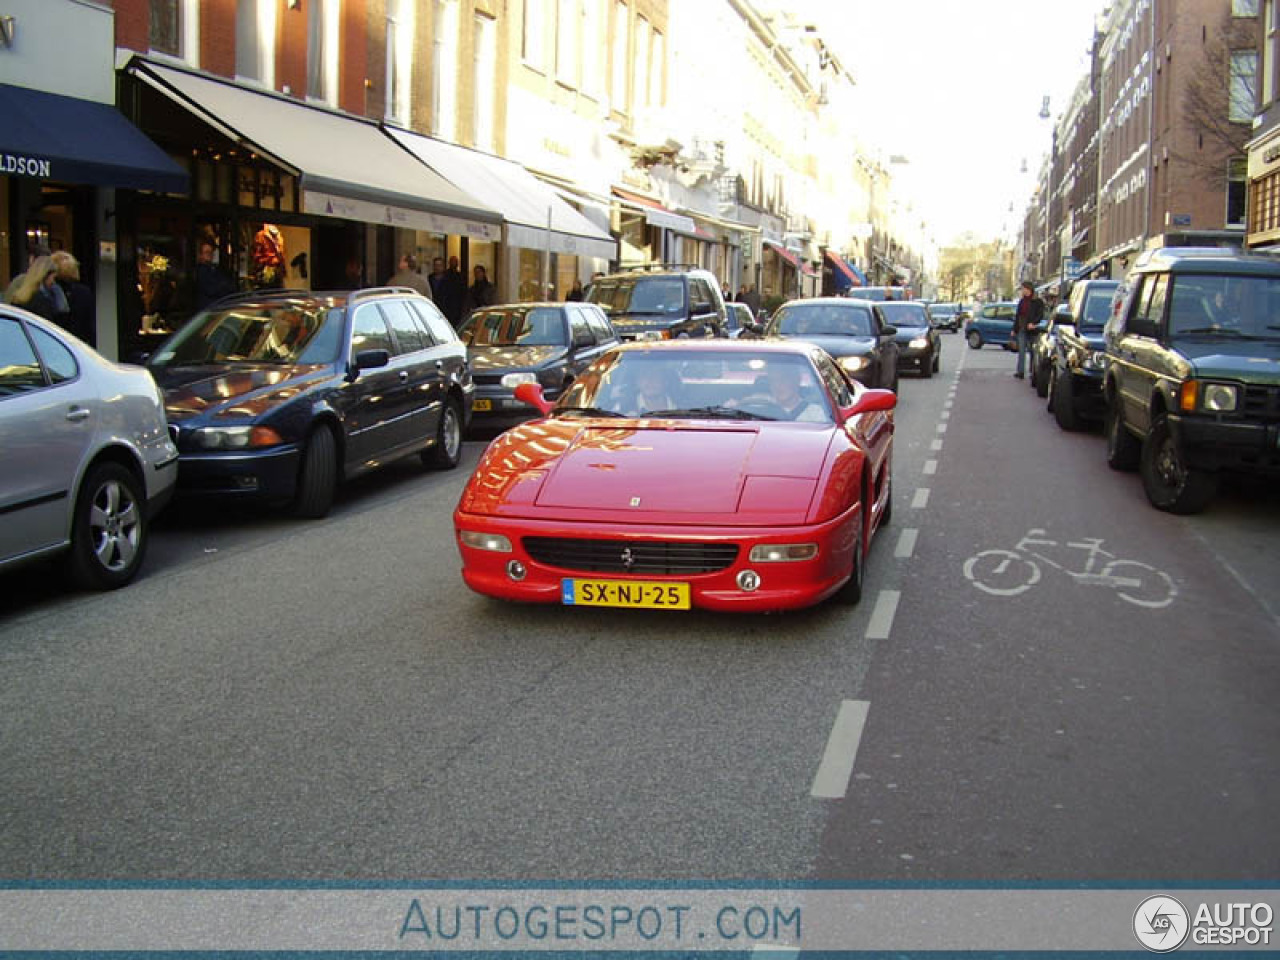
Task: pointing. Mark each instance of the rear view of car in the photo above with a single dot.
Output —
(87, 455)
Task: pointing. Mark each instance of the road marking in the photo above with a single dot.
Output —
(882, 616)
(942, 428)
(831, 782)
(948, 405)
(931, 466)
(935, 445)
(906, 542)
(945, 415)
(921, 499)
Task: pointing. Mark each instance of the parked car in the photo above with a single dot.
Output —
(88, 460)
(661, 303)
(282, 395)
(919, 345)
(945, 316)
(1041, 345)
(854, 332)
(991, 323)
(1077, 361)
(761, 488)
(739, 322)
(545, 343)
(1192, 382)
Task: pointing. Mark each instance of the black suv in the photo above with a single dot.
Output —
(1076, 358)
(662, 303)
(1192, 384)
(280, 395)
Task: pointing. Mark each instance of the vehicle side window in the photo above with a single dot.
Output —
(1004, 312)
(835, 380)
(700, 295)
(599, 323)
(1151, 298)
(19, 367)
(369, 330)
(58, 360)
(408, 339)
(579, 330)
(441, 330)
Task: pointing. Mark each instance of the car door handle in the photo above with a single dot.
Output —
(404, 376)
(76, 414)
(439, 365)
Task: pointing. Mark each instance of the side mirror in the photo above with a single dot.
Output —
(889, 330)
(368, 360)
(1062, 316)
(531, 394)
(870, 401)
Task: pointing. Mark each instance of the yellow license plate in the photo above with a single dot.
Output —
(482, 403)
(648, 594)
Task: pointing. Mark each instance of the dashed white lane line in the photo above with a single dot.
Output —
(935, 445)
(882, 615)
(831, 782)
(931, 466)
(945, 415)
(948, 405)
(906, 542)
(921, 498)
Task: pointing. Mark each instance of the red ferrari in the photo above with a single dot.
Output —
(728, 475)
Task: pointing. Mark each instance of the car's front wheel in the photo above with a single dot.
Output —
(975, 340)
(109, 532)
(1170, 484)
(850, 591)
(1064, 401)
(318, 478)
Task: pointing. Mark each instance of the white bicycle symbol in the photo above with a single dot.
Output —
(1006, 573)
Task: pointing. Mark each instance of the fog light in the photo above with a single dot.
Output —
(516, 570)
(748, 580)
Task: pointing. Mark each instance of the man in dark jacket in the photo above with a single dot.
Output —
(452, 293)
(1025, 323)
(482, 293)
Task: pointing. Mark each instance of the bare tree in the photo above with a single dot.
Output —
(1208, 95)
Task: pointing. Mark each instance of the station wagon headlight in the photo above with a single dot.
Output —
(235, 438)
(853, 364)
(513, 380)
(919, 343)
(783, 552)
(494, 542)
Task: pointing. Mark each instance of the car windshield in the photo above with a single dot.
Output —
(1225, 306)
(280, 332)
(651, 295)
(943, 309)
(515, 327)
(822, 319)
(1097, 307)
(701, 384)
(902, 314)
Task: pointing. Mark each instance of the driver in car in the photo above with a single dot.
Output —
(785, 390)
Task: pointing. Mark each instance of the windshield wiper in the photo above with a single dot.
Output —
(710, 413)
(591, 412)
(1224, 331)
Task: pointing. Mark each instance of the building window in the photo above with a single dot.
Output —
(567, 40)
(1237, 183)
(640, 65)
(444, 105)
(1244, 8)
(485, 83)
(1244, 70)
(532, 47)
(256, 41)
(322, 50)
(621, 37)
(400, 29)
(595, 40)
(1265, 201)
(1269, 58)
(658, 72)
(166, 27)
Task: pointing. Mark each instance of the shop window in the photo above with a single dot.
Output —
(621, 44)
(567, 42)
(535, 33)
(640, 65)
(256, 41)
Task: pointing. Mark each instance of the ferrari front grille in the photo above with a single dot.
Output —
(639, 557)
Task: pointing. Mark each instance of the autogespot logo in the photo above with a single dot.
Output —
(1161, 923)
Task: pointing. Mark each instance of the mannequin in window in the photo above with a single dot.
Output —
(268, 257)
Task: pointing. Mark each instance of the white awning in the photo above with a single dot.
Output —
(526, 203)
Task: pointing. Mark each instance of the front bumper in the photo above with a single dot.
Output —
(259, 474)
(783, 586)
(1208, 444)
(504, 410)
(912, 358)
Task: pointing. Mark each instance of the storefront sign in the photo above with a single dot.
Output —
(329, 205)
(26, 166)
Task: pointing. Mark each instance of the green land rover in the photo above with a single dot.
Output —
(1192, 384)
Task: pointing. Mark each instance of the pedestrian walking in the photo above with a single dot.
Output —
(33, 291)
(81, 318)
(408, 276)
(453, 293)
(1026, 321)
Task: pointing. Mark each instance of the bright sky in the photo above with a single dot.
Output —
(956, 86)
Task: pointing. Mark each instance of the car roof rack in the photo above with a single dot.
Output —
(654, 265)
(366, 292)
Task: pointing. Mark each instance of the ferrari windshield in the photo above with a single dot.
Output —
(279, 332)
(515, 327)
(700, 384)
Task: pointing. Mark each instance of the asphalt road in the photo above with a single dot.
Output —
(304, 700)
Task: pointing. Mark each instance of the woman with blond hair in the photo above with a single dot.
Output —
(81, 318)
(33, 291)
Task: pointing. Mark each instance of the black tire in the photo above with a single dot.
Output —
(1169, 483)
(1123, 448)
(974, 339)
(1064, 403)
(850, 592)
(318, 476)
(1042, 379)
(926, 366)
(937, 363)
(110, 531)
(887, 517)
(445, 453)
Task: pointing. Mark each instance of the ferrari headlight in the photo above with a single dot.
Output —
(513, 380)
(853, 364)
(494, 542)
(783, 552)
(235, 438)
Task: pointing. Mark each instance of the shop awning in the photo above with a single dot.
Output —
(347, 167)
(783, 252)
(862, 277)
(51, 137)
(524, 201)
(843, 275)
(655, 213)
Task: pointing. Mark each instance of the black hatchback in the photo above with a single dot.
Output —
(281, 395)
(854, 332)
